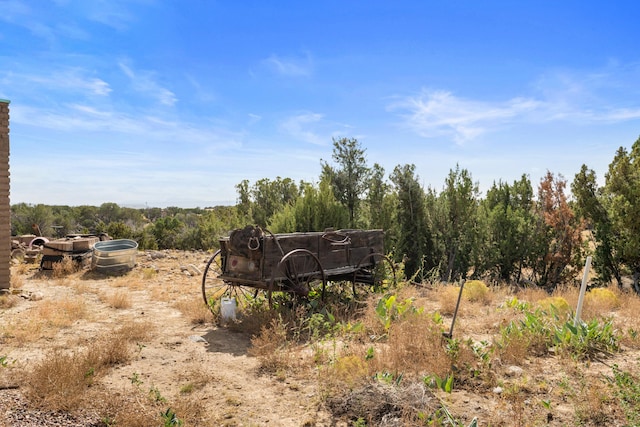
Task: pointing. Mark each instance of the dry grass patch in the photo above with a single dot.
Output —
(62, 379)
(59, 381)
(44, 320)
(381, 404)
(8, 301)
(555, 305)
(531, 294)
(130, 409)
(16, 280)
(447, 297)
(130, 281)
(195, 377)
(81, 287)
(477, 291)
(160, 293)
(119, 299)
(64, 267)
(149, 273)
(25, 331)
(20, 269)
(134, 331)
(628, 311)
(273, 349)
(62, 313)
(414, 345)
(593, 403)
(194, 309)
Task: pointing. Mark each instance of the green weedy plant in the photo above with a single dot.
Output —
(135, 379)
(388, 377)
(533, 329)
(320, 325)
(587, 339)
(434, 381)
(170, 418)
(370, 353)
(627, 389)
(444, 417)
(155, 395)
(389, 309)
(516, 304)
(543, 331)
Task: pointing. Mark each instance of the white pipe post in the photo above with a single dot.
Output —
(583, 289)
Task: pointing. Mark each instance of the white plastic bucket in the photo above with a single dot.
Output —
(228, 309)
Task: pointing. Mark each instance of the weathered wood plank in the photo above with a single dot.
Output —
(338, 251)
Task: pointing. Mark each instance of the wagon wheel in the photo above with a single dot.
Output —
(213, 288)
(375, 270)
(301, 274)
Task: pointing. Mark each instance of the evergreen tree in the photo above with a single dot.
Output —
(590, 205)
(414, 236)
(621, 198)
(350, 179)
(460, 197)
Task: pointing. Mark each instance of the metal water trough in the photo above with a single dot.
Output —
(114, 255)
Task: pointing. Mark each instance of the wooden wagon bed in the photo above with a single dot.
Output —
(291, 262)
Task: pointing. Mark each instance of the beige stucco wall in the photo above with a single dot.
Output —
(5, 206)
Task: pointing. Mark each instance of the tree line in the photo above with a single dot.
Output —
(516, 233)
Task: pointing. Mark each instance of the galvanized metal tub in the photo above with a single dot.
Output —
(114, 255)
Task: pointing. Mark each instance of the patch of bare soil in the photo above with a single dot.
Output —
(202, 372)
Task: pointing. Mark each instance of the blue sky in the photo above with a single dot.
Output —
(173, 103)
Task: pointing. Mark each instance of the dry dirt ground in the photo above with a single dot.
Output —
(210, 364)
(209, 377)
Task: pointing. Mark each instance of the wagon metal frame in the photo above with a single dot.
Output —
(251, 260)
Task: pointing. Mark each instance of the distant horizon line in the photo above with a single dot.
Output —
(133, 205)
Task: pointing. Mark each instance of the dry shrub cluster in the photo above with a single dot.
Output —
(629, 309)
(17, 280)
(64, 267)
(415, 345)
(62, 313)
(194, 310)
(119, 299)
(555, 305)
(8, 301)
(272, 347)
(45, 319)
(473, 291)
(130, 281)
(594, 404)
(599, 301)
(61, 380)
(379, 404)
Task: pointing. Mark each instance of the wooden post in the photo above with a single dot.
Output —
(5, 206)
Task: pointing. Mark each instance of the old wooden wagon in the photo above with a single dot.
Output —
(251, 260)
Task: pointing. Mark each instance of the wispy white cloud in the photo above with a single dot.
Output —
(147, 128)
(112, 13)
(438, 113)
(301, 127)
(561, 97)
(254, 118)
(14, 11)
(66, 80)
(290, 67)
(144, 82)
